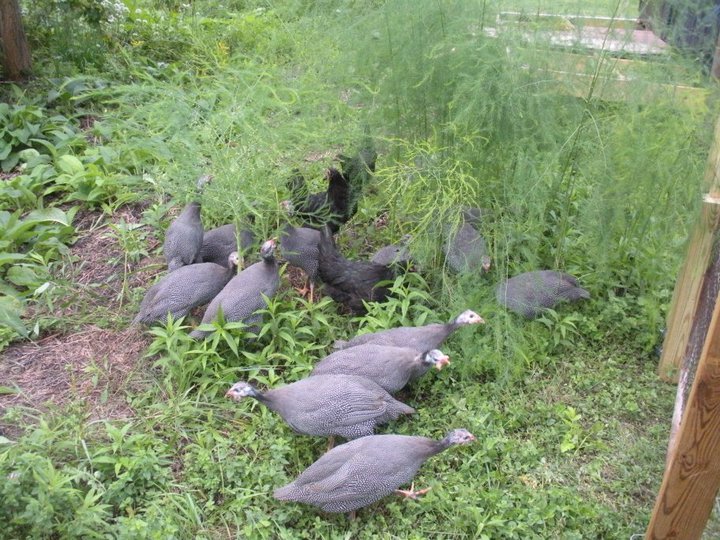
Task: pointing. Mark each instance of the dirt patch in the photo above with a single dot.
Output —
(101, 275)
(96, 366)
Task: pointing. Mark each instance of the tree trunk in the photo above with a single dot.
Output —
(16, 52)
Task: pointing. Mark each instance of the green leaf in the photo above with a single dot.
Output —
(10, 310)
(48, 214)
(70, 164)
(23, 276)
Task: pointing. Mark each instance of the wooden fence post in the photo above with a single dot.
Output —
(688, 287)
(692, 478)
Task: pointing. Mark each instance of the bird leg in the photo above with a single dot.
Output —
(411, 493)
(331, 443)
(303, 291)
(352, 515)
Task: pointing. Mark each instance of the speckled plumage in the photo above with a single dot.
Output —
(185, 288)
(420, 338)
(218, 243)
(465, 248)
(530, 293)
(390, 367)
(398, 254)
(242, 296)
(360, 472)
(327, 405)
(300, 248)
(183, 238)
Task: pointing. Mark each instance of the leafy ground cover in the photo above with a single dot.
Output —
(109, 431)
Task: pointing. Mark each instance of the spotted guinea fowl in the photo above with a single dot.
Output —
(242, 296)
(300, 248)
(328, 405)
(363, 471)
(218, 243)
(420, 338)
(529, 294)
(328, 207)
(390, 367)
(184, 236)
(185, 288)
(464, 247)
(394, 254)
(351, 282)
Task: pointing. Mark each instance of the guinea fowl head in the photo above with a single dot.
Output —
(458, 436)
(288, 207)
(469, 317)
(435, 358)
(267, 250)
(486, 263)
(234, 260)
(203, 181)
(241, 390)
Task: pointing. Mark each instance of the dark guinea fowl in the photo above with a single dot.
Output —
(465, 248)
(243, 295)
(350, 282)
(328, 405)
(218, 243)
(184, 236)
(328, 207)
(300, 248)
(390, 367)
(420, 338)
(358, 170)
(185, 288)
(395, 254)
(529, 294)
(363, 471)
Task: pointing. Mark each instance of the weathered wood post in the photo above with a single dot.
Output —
(692, 478)
(687, 296)
(692, 351)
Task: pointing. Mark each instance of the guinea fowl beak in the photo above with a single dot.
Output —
(230, 394)
(444, 361)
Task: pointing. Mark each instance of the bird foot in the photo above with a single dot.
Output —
(411, 493)
(302, 291)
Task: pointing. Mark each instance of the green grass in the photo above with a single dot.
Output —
(571, 419)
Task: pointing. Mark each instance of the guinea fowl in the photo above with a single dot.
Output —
(185, 288)
(363, 471)
(328, 207)
(394, 254)
(465, 248)
(218, 243)
(328, 405)
(300, 249)
(420, 338)
(351, 282)
(529, 294)
(390, 367)
(184, 236)
(358, 170)
(243, 294)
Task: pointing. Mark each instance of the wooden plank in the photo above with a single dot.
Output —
(686, 296)
(610, 89)
(689, 283)
(691, 481)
